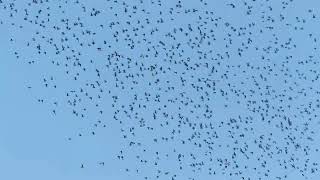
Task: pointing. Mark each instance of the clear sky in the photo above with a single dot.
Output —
(34, 142)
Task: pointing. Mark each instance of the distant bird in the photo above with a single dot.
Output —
(177, 90)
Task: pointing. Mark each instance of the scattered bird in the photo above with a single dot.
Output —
(190, 90)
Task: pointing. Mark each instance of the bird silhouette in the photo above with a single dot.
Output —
(189, 90)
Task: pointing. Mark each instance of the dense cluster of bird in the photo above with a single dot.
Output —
(218, 88)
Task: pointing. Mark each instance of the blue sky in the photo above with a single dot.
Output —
(34, 143)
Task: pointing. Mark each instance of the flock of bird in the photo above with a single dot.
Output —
(217, 88)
